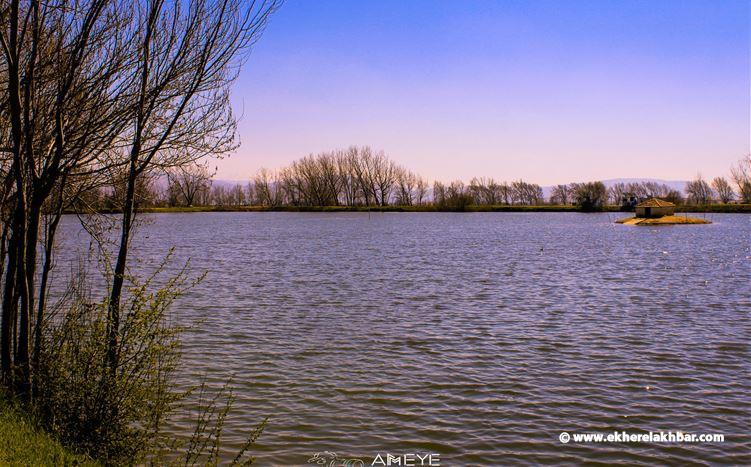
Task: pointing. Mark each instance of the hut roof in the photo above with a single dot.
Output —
(654, 203)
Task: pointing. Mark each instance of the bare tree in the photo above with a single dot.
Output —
(741, 175)
(63, 97)
(454, 197)
(723, 189)
(618, 195)
(219, 196)
(421, 191)
(698, 191)
(186, 59)
(237, 195)
(524, 193)
(107, 85)
(357, 176)
(485, 191)
(187, 181)
(561, 194)
(590, 196)
(267, 188)
(115, 181)
(406, 184)
(382, 170)
(674, 196)
(439, 194)
(347, 179)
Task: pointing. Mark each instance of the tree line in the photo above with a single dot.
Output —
(360, 176)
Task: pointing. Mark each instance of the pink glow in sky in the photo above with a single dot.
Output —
(550, 92)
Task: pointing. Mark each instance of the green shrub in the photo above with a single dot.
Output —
(116, 417)
(112, 416)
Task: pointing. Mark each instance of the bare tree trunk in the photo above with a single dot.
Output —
(3, 249)
(10, 305)
(26, 276)
(49, 245)
(15, 277)
(119, 272)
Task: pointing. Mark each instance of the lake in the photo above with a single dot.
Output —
(479, 337)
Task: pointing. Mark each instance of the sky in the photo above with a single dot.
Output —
(546, 91)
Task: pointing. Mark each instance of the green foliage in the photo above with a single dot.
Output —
(23, 442)
(116, 417)
(111, 416)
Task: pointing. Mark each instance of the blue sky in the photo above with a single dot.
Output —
(547, 91)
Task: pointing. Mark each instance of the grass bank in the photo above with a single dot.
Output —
(719, 208)
(710, 208)
(22, 442)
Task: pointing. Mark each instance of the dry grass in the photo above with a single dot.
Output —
(664, 220)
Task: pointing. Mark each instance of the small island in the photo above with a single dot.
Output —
(655, 211)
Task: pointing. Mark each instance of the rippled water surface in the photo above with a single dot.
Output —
(476, 336)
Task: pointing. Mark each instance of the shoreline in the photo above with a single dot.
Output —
(711, 208)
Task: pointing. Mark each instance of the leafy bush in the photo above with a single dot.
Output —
(113, 416)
